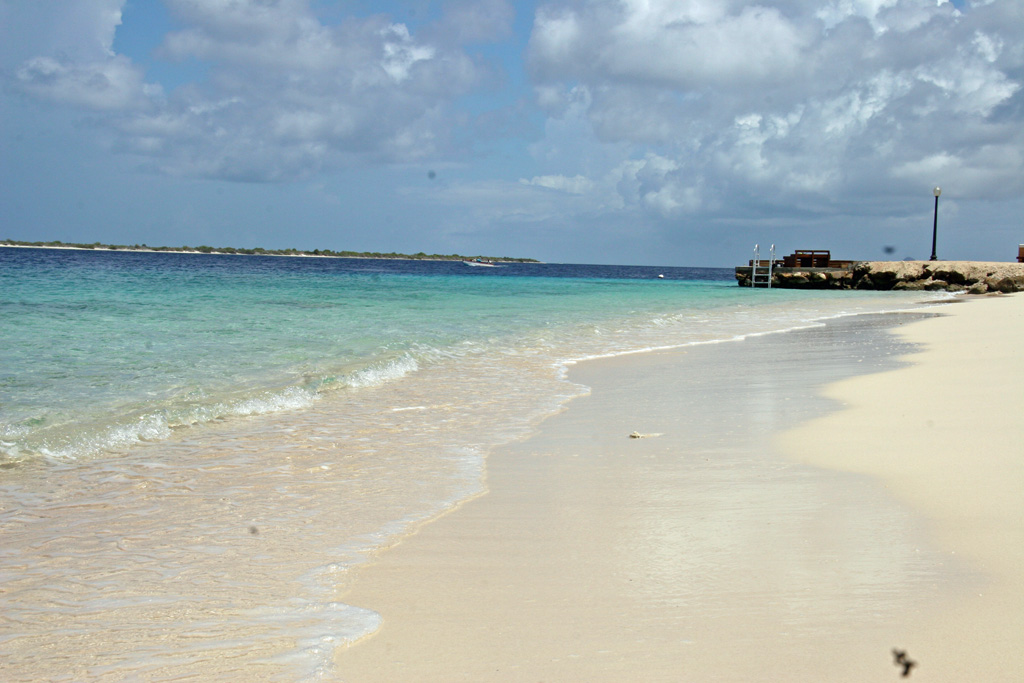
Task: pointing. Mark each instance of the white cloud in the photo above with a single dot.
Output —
(285, 95)
(990, 171)
(988, 47)
(574, 185)
(682, 45)
(401, 53)
(782, 103)
(248, 34)
(63, 53)
(112, 84)
(309, 95)
(557, 39)
(884, 15)
(654, 184)
(658, 184)
(69, 30)
(756, 44)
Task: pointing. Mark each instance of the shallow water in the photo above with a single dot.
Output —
(696, 553)
(195, 449)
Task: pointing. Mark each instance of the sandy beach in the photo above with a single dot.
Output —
(946, 438)
(762, 529)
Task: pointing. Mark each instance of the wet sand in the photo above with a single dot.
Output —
(736, 541)
(945, 437)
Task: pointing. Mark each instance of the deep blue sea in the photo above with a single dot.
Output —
(205, 444)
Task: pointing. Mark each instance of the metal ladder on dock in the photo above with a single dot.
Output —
(761, 272)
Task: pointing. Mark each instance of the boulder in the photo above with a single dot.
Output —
(953, 276)
(792, 279)
(911, 286)
(1005, 283)
(965, 276)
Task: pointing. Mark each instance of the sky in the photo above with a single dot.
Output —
(650, 132)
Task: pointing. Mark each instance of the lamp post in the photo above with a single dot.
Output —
(935, 222)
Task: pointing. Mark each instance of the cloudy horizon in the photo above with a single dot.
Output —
(640, 131)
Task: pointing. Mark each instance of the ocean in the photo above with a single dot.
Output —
(195, 450)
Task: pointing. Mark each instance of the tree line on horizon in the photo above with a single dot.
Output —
(260, 251)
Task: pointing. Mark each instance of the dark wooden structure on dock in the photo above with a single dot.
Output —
(807, 258)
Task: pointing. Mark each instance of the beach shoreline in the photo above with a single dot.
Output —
(152, 532)
(598, 557)
(945, 437)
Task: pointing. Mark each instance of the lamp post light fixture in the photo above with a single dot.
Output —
(935, 221)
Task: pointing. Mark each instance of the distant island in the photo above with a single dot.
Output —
(260, 251)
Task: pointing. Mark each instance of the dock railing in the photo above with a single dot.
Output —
(761, 271)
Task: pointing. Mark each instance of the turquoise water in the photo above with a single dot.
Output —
(102, 350)
(207, 444)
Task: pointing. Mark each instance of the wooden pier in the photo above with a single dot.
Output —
(804, 268)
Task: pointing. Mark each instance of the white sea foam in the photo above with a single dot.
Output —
(379, 374)
(293, 398)
(84, 441)
(111, 438)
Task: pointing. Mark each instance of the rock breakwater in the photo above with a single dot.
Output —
(974, 277)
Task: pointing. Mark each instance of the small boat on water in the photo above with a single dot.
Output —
(478, 262)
